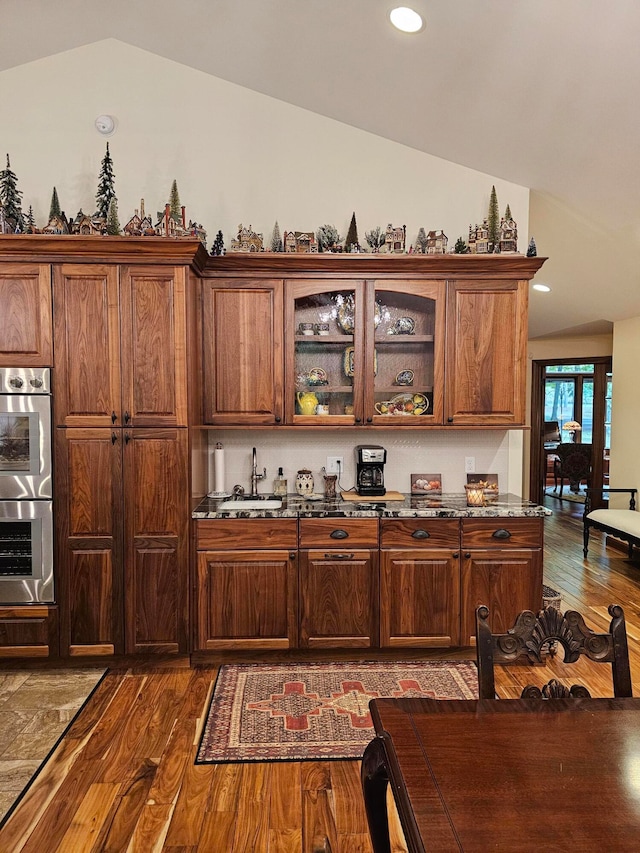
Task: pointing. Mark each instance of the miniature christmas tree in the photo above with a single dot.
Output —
(276, 239)
(30, 222)
(54, 209)
(175, 209)
(218, 245)
(328, 238)
(351, 243)
(507, 214)
(106, 188)
(10, 197)
(421, 242)
(375, 238)
(113, 223)
(460, 247)
(532, 251)
(493, 221)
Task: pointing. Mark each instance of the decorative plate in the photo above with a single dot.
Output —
(349, 361)
(404, 404)
(317, 376)
(405, 377)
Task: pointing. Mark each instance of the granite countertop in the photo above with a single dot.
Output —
(411, 506)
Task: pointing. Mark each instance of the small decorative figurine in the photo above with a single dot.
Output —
(328, 238)
(532, 251)
(351, 243)
(106, 189)
(276, 239)
(301, 242)
(10, 201)
(304, 482)
(218, 245)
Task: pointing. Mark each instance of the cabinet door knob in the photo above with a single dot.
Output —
(114, 438)
(421, 534)
(338, 556)
(455, 556)
(292, 555)
(467, 555)
(114, 417)
(501, 533)
(449, 420)
(127, 417)
(369, 420)
(127, 437)
(358, 420)
(339, 534)
(278, 419)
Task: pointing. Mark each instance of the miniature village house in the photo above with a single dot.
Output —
(301, 242)
(394, 238)
(437, 242)
(140, 224)
(508, 235)
(247, 241)
(91, 226)
(479, 239)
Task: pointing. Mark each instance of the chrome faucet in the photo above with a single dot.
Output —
(255, 477)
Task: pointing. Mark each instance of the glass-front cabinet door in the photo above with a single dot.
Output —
(365, 352)
(324, 361)
(405, 344)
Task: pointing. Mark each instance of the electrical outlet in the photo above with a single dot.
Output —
(470, 464)
(335, 464)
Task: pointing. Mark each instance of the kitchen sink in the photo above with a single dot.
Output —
(267, 503)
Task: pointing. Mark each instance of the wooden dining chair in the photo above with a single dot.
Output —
(530, 635)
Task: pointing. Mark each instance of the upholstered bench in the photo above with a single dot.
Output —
(622, 523)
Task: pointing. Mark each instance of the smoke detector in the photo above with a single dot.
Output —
(105, 125)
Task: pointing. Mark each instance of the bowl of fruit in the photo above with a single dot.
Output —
(404, 404)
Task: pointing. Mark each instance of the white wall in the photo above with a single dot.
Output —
(428, 452)
(624, 468)
(241, 157)
(238, 156)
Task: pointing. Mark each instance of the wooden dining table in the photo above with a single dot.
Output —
(505, 775)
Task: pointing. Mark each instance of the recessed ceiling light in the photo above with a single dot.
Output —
(543, 288)
(406, 19)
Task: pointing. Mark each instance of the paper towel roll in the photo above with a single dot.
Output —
(216, 473)
(218, 468)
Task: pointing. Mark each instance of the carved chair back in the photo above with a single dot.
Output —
(531, 633)
(572, 463)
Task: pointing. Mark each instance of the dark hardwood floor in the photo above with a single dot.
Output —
(124, 779)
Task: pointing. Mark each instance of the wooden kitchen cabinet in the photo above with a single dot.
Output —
(502, 568)
(242, 352)
(25, 317)
(419, 583)
(368, 351)
(122, 544)
(486, 352)
(338, 583)
(246, 596)
(120, 344)
(29, 631)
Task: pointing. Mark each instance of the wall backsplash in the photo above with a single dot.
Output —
(432, 452)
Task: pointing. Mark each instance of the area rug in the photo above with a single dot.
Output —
(575, 497)
(315, 711)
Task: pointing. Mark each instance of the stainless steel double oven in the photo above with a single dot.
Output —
(26, 517)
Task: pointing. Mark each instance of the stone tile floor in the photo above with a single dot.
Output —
(36, 706)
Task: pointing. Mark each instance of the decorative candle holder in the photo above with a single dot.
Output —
(475, 494)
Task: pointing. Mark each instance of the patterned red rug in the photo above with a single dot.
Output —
(314, 711)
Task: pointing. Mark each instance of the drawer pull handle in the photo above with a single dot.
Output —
(421, 534)
(467, 555)
(338, 556)
(501, 533)
(455, 555)
(339, 534)
(292, 555)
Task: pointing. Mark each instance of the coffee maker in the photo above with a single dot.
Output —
(370, 459)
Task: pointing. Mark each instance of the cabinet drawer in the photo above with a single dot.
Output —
(336, 532)
(420, 533)
(502, 533)
(215, 534)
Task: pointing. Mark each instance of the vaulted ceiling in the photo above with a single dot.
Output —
(543, 94)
